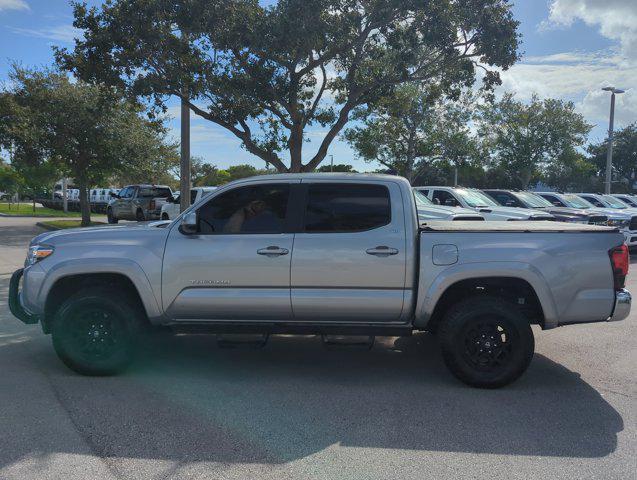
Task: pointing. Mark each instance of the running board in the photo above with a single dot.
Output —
(238, 340)
(364, 342)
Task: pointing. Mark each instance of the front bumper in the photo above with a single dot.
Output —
(621, 310)
(15, 304)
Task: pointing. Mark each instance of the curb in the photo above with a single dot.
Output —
(47, 227)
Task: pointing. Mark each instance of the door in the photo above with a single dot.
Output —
(237, 265)
(118, 205)
(348, 263)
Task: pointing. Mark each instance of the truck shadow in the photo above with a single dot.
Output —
(186, 400)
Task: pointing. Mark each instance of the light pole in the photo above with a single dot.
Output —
(331, 163)
(609, 155)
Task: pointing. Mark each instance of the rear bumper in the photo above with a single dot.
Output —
(623, 300)
(15, 304)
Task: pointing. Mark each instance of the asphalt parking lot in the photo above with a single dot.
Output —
(189, 409)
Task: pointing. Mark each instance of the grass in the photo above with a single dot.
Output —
(61, 224)
(26, 209)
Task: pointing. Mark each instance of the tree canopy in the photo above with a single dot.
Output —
(88, 132)
(267, 74)
(624, 157)
(523, 139)
(412, 128)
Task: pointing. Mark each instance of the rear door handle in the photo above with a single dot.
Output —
(382, 251)
(273, 251)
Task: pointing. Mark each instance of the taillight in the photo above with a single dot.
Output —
(151, 205)
(619, 260)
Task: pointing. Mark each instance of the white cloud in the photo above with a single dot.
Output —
(59, 33)
(579, 77)
(13, 5)
(616, 19)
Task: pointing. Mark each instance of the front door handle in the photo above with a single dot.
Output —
(382, 251)
(273, 251)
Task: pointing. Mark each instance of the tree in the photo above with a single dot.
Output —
(10, 180)
(339, 167)
(523, 139)
(572, 171)
(624, 157)
(88, 132)
(412, 128)
(267, 74)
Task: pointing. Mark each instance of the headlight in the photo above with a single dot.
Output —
(37, 253)
(619, 223)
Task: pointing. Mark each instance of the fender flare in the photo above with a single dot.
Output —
(427, 300)
(123, 266)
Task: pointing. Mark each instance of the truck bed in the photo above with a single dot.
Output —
(517, 226)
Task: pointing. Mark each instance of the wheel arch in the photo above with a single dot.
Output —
(510, 283)
(69, 278)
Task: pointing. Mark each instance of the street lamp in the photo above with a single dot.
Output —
(609, 155)
(331, 163)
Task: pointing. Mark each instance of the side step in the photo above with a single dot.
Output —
(242, 340)
(364, 342)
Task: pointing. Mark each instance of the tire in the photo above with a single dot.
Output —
(139, 215)
(95, 332)
(110, 218)
(486, 342)
(164, 216)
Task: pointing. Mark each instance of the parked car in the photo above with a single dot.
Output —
(629, 226)
(616, 218)
(302, 253)
(171, 209)
(510, 198)
(137, 202)
(428, 211)
(479, 202)
(629, 200)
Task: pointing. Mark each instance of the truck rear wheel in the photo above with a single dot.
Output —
(93, 334)
(486, 341)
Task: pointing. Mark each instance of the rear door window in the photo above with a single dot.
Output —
(346, 207)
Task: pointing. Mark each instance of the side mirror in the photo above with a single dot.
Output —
(510, 203)
(556, 203)
(436, 201)
(188, 224)
(114, 195)
(170, 199)
(450, 202)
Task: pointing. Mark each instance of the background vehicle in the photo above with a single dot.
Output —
(616, 218)
(476, 200)
(302, 253)
(428, 211)
(137, 202)
(170, 209)
(511, 198)
(629, 200)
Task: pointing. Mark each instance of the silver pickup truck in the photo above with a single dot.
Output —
(325, 254)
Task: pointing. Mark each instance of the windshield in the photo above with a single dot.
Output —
(533, 200)
(574, 201)
(614, 202)
(474, 198)
(421, 200)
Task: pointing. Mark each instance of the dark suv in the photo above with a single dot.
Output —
(137, 202)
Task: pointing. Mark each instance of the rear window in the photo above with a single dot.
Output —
(346, 207)
(154, 192)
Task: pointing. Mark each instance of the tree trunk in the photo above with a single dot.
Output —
(296, 148)
(85, 206)
(33, 198)
(411, 156)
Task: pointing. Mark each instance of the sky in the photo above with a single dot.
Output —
(570, 50)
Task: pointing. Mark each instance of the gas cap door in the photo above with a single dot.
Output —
(444, 254)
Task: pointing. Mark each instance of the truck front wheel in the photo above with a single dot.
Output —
(93, 334)
(486, 341)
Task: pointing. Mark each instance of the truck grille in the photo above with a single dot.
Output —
(633, 223)
(598, 220)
